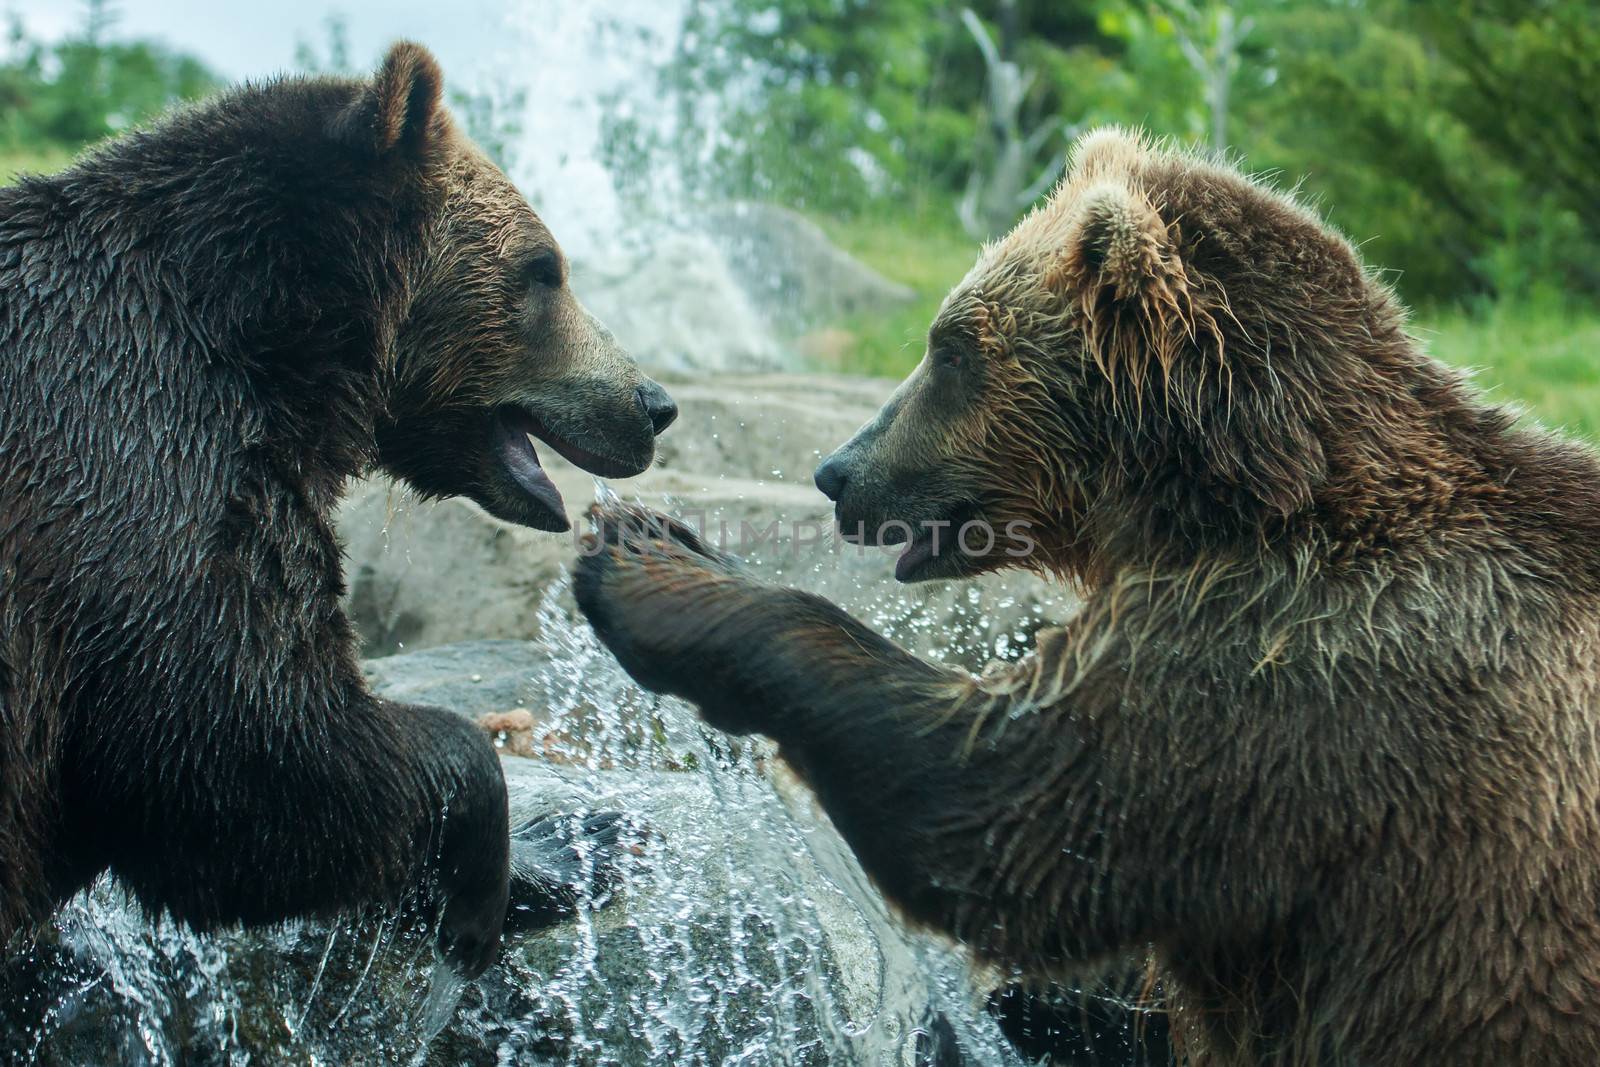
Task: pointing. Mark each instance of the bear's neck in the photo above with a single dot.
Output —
(1412, 456)
(287, 298)
(1418, 467)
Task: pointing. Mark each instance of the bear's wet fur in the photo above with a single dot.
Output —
(1325, 733)
(209, 326)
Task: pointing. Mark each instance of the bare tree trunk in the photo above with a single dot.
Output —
(1222, 70)
(1210, 40)
(1012, 167)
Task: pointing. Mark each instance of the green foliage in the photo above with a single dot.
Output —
(46, 159)
(1536, 354)
(837, 104)
(1403, 155)
(929, 258)
(1528, 90)
(1529, 86)
(1377, 110)
(1455, 141)
(56, 98)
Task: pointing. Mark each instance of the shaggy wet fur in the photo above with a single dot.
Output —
(206, 328)
(1325, 734)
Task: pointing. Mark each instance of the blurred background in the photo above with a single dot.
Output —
(1455, 141)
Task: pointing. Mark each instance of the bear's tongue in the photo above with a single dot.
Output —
(917, 553)
(522, 462)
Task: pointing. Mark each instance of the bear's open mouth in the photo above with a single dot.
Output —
(514, 431)
(517, 429)
(934, 552)
(919, 554)
(933, 547)
(522, 420)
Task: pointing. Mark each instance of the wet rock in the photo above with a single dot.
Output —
(771, 428)
(676, 305)
(473, 677)
(735, 294)
(795, 275)
(428, 574)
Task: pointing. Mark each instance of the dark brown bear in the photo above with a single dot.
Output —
(1326, 731)
(208, 328)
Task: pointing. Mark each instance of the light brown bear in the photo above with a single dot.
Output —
(1326, 732)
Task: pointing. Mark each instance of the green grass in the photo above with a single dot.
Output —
(930, 258)
(1544, 356)
(46, 160)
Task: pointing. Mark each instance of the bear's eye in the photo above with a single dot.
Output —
(544, 270)
(947, 355)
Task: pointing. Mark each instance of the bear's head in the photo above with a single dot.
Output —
(1164, 357)
(493, 350)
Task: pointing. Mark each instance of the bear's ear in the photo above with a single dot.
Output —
(1120, 242)
(1122, 268)
(399, 110)
(1105, 152)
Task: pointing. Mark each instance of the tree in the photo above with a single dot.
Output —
(1010, 169)
(843, 104)
(1458, 136)
(87, 85)
(1530, 89)
(1210, 37)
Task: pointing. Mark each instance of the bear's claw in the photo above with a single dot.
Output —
(643, 531)
(640, 567)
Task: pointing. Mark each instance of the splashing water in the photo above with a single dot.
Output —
(744, 933)
(750, 934)
(566, 71)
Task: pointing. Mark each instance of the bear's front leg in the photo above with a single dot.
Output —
(686, 620)
(365, 802)
(1005, 812)
(553, 863)
(357, 801)
(462, 807)
(880, 735)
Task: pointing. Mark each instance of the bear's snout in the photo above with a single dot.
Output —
(658, 406)
(832, 477)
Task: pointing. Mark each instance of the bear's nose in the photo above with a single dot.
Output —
(657, 404)
(831, 477)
